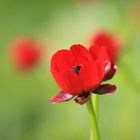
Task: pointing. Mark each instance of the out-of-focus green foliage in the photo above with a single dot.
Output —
(25, 112)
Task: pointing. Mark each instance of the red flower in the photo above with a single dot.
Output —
(109, 42)
(112, 45)
(79, 71)
(25, 53)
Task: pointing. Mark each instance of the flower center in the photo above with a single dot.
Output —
(76, 69)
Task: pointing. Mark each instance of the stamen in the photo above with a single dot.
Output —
(76, 69)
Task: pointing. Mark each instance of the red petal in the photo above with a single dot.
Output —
(104, 89)
(79, 55)
(95, 51)
(104, 63)
(68, 82)
(82, 99)
(89, 76)
(61, 97)
(111, 73)
(60, 61)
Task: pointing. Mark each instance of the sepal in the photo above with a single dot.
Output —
(82, 99)
(104, 89)
(61, 97)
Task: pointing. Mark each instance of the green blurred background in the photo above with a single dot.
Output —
(25, 112)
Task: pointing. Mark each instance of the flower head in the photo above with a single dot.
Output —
(25, 52)
(112, 45)
(80, 71)
(109, 42)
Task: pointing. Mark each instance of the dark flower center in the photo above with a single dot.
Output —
(76, 69)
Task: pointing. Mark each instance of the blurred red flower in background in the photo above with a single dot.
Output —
(112, 44)
(109, 41)
(25, 52)
(79, 71)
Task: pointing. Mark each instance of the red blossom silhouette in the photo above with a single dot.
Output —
(80, 71)
(25, 52)
(112, 44)
(109, 41)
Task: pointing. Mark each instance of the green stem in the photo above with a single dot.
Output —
(93, 121)
(95, 102)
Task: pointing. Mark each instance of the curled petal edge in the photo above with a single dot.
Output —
(61, 97)
(111, 73)
(104, 89)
